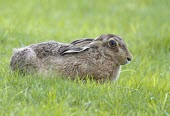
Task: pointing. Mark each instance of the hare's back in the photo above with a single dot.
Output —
(46, 49)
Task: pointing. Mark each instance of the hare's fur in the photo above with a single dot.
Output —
(82, 58)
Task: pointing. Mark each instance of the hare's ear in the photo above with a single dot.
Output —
(75, 50)
(77, 46)
(82, 41)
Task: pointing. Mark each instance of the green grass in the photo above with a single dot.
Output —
(144, 85)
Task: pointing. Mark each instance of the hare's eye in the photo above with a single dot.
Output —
(112, 43)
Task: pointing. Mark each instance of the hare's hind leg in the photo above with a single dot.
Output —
(24, 60)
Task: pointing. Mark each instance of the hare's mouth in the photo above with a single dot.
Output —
(125, 62)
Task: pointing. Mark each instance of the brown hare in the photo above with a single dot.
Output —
(98, 58)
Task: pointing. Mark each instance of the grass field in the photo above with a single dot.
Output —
(144, 85)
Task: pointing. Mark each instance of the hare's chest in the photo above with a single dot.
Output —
(98, 69)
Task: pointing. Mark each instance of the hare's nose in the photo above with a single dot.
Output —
(129, 59)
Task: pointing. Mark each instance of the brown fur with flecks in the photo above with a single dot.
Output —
(85, 57)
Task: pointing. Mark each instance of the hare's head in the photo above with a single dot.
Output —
(113, 47)
(110, 46)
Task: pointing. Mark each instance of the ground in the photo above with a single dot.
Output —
(144, 85)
